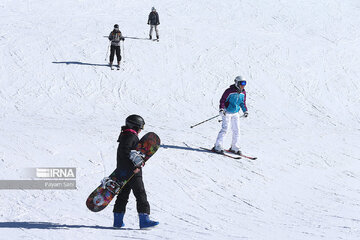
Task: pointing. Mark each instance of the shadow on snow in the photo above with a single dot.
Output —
(182, 148)
(138, 38)
(82, 63)
(49, 225)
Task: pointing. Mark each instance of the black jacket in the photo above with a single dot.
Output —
(154, 18)
(128, 141)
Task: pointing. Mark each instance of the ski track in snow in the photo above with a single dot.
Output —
(62, 106)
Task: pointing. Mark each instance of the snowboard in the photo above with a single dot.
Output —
(111, 186)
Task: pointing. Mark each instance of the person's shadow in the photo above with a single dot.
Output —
(50, 225)
(137, 38)
(82, 63)
(187, 148)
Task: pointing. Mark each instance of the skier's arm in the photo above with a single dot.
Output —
(149, 19)
(158, 19)
(223, 99)
(122, 37)
(243, 103)
(110, 37)
(126, 145)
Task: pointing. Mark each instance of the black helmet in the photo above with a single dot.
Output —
(116, 26)
(135, 122)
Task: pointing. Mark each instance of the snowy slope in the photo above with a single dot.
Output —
(61, 106)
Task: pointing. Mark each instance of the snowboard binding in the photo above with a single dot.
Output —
(110, 185)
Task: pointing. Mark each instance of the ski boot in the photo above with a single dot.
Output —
(157, 37)
(218, 150)
(150, 37)
(118, 220)
(237, 152)
(145, 222)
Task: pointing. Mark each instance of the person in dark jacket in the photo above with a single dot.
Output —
(115, 37)
(154, 21)
(129, 162)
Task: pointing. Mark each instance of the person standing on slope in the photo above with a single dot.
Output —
(130, 161)
(154, 21)
(231, 101)
(115, 37)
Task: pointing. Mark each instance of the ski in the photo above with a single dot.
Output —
(223, 154)
(248, 157)
(241, 155)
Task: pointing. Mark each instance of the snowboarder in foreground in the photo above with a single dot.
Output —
(153, 21)
(130, 161)
(231, 101)
(115, 37)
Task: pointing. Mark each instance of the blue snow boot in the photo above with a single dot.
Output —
(118, 220)
(145, 221)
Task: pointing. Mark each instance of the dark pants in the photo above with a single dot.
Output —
(114, 49)
(136, 184)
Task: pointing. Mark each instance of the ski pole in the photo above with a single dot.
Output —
(124, 50)
(204, 121)
(107, 52)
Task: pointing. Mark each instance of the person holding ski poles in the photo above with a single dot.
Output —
(232, 100)
(153, 21)
(115, 37)
(130, 161)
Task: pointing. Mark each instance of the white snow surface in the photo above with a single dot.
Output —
(61, 106)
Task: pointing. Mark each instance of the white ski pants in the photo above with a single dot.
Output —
(234, 119)
(156, 30)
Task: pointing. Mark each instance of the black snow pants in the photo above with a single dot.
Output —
(114, 49)
(137, 185)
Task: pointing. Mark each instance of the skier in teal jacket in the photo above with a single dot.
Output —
(232, 100)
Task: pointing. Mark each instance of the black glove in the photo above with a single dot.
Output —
(246, 114)
(222, 112)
